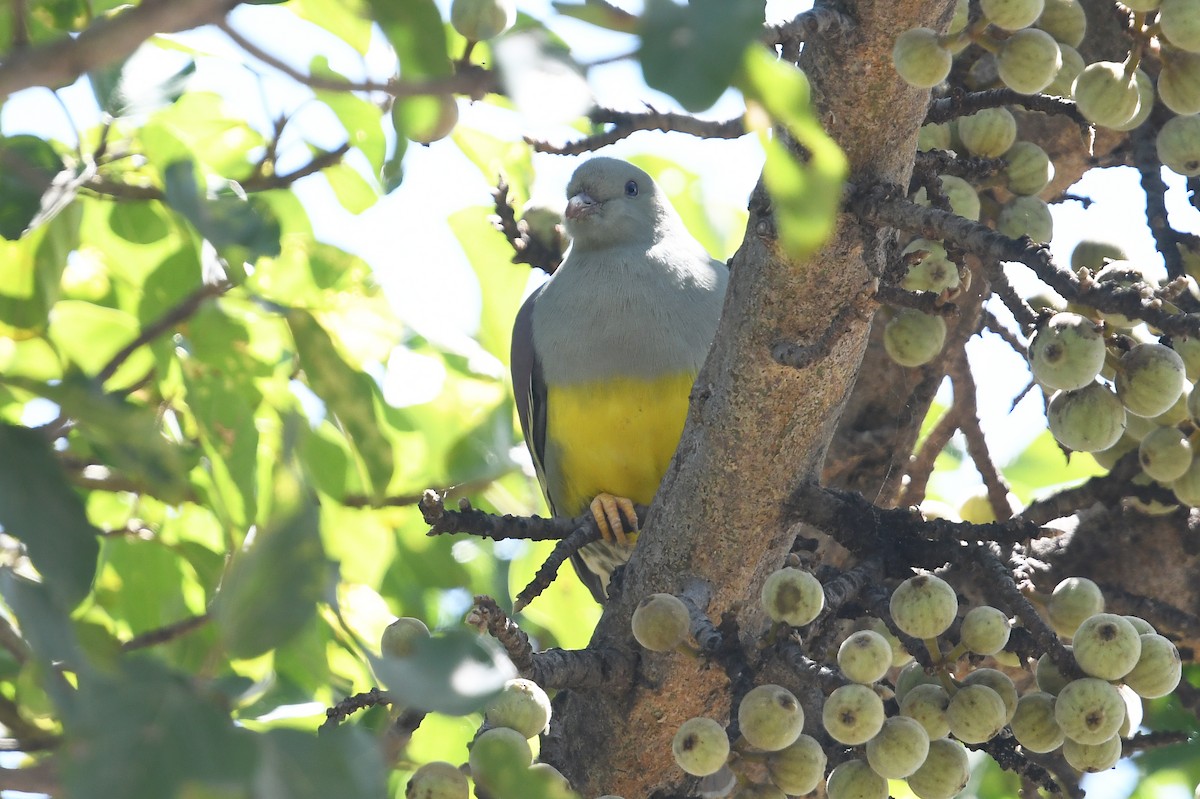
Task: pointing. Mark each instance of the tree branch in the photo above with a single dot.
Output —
(39, 778)
(625, 123)
(167, 633)
(105, 41)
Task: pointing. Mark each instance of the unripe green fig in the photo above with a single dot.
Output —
(1089, 710)
(976, 714)
(1049, 678)
(425, 118)
(913, 338)
(401, 637)
(700, 747)
(1158, 669)
(927, 703)
(984, 630)
(1189, 350)
(988, 133)
(1106, 646)
(480, 20)
(900, 655)
(1012, 14)
(1063, 84)
(437, 780)
(964, 200)
(1072, 601)
(1105, 95)
(1095, 255)
(1033, 723)
(910, 677)
(1067, 352)
(1141, 625)
(522, 706)
(1178, 412)
(798, 769)
(1165, 454)
(934, 272)
(962, 15)
(853, 714)
(660, 622)
(854, 779)
(1107, 458)
(1187, 487)
(753, 791)
(1088, 419)
(1179, 145)
(924, 606)
(899, 748)
(1142, 5)
(1091, 758)
(1029, 168)
(1026, 216)
(864, 657)
(498, 751)
(792, 596)
(770, 717)
(920, 59)
(933, 136)
(1179, 81)
(1065, 20)
(999, 682)
(545, 780)
(1179, 22)
(944, 773)
(1028, 61)
(1145, 88)
(1150, 379)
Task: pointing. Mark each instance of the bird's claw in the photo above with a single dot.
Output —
(616, 518)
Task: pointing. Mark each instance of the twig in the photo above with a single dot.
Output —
(183, 310)
(942, 162)
(626, 123)
(1145, 741)
(352, 704)
(1108, 489)
(105, 41)
(992, 324)
(470, 80)
(966, 402)
(959, 104)
(527, 246)
(921, 467)
(39, 778)
(1016, 305)
(1004, 752)
(164, 634)
(487, 616)
(563, 550)
(1149, 167)
(467, 519)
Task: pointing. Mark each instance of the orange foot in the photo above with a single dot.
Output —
(616, 518)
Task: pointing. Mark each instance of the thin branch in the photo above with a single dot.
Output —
(528, 247)
(1108, 489)
(965, 401)
(166, 633)
(105, 41)
(470, 80)
(352, 704)
(1149, 167)
(252, 184)
(924, 301)
(959, 104)
(921, 467)
(626, 123)
(971, 168)
(466, 519)
(405, 500)
(486, 616)
(39, 778)
(880, 205)
(992, 324)
(173, 316)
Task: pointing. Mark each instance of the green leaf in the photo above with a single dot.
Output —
(199, 126)
(692, 52)
(89, 335)
(352, 190)
(361, 119)
(186, 744)
(414, 28)
(351, 396)
(392, 174)
(805, 196)
(126, 436)
(28, 166)
(345, 19)
(38, 507)
(273, 586)
(500, 280)
(241, 229)
(31, 273)
(229, 438)
(344, 762)
(601, 14)
(44, 621)
(1042, 465)
(455, 673)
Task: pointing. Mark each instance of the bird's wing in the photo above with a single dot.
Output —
(529, 388)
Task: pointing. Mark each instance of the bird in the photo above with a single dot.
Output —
(605, 352)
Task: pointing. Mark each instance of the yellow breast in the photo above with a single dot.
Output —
(615, 436)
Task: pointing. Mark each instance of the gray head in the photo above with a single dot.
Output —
(612, 202)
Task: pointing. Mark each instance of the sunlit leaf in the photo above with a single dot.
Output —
(601, 14)
(1043, 465)
(244, 229)
(345, 19)
(414, 28)
(500, 280)
(199, 127)
(805, 193)
(352, 190)
(28, 166)
(43, 619)
(345, 762)
(692, 52)
(273, 586)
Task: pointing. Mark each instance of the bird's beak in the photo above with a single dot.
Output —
(580, 205)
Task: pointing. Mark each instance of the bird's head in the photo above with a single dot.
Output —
(612, 202)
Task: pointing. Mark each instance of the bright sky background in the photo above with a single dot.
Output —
(406, 239)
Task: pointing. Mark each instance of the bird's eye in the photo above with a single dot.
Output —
(631, 189)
